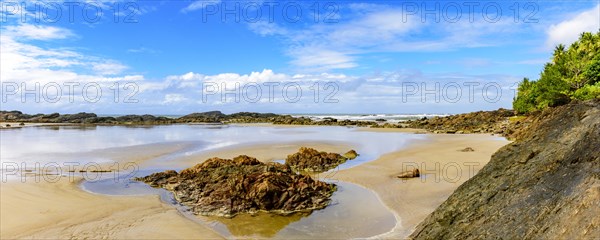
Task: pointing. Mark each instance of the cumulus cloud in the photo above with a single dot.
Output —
(45, 69)
(568, 31)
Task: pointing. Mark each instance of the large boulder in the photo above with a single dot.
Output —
(226, 187)
(311, 160)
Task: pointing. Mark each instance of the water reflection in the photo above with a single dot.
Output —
(355, 212)
(261, 225)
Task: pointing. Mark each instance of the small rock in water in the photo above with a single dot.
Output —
(351, 155)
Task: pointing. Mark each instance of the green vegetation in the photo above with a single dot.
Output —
(574, 73)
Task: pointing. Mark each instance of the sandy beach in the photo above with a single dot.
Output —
(443, 168)
(64, 210)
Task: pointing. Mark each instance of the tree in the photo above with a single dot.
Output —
(573, 73)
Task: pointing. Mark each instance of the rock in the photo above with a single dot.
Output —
(545, 185)
(7, 125)
(205, 117)
(22, 124)
(226, 187)
(467, 149)
(311, 160)
(476, 122)
(75, 118)
(410, 174)
(350, 155)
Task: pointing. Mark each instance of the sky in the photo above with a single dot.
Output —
(178, 57)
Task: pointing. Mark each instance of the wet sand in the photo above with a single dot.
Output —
(443, 168)
(63, 210)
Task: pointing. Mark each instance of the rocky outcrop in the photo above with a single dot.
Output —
(476, 122)
(226, 187)
(207, 117)
(203, 117)
(546, 185)
(311, 160)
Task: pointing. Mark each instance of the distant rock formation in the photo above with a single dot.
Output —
(226, 187)
(476, 122)
(546, 185)
(204, 117)
(311, 160)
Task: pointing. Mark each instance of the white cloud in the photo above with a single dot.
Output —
(142, 50)
(37, 32)
(174, 98)
(317, 59)
(265, 28)
(568, 31)
(35, 67)
(376, 28)
(109, 68)
(200, 4)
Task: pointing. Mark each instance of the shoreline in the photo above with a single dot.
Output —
(484, 144)
(422, 195)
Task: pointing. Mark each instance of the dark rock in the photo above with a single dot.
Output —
(497, 121)
(225, 187)
(311, 160)
(208, 117)
(546, 185)
(205, 117)
(75, 118)
(467, 149)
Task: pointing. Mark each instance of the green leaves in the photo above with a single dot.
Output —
(574, 73)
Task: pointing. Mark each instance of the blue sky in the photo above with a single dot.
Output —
(175, 57)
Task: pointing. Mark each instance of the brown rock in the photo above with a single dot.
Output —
(311, 160)
(350, 155)
(225, 187)
(467, 149)
(410, 174)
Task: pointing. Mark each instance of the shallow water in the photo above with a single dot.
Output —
(355, 211)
